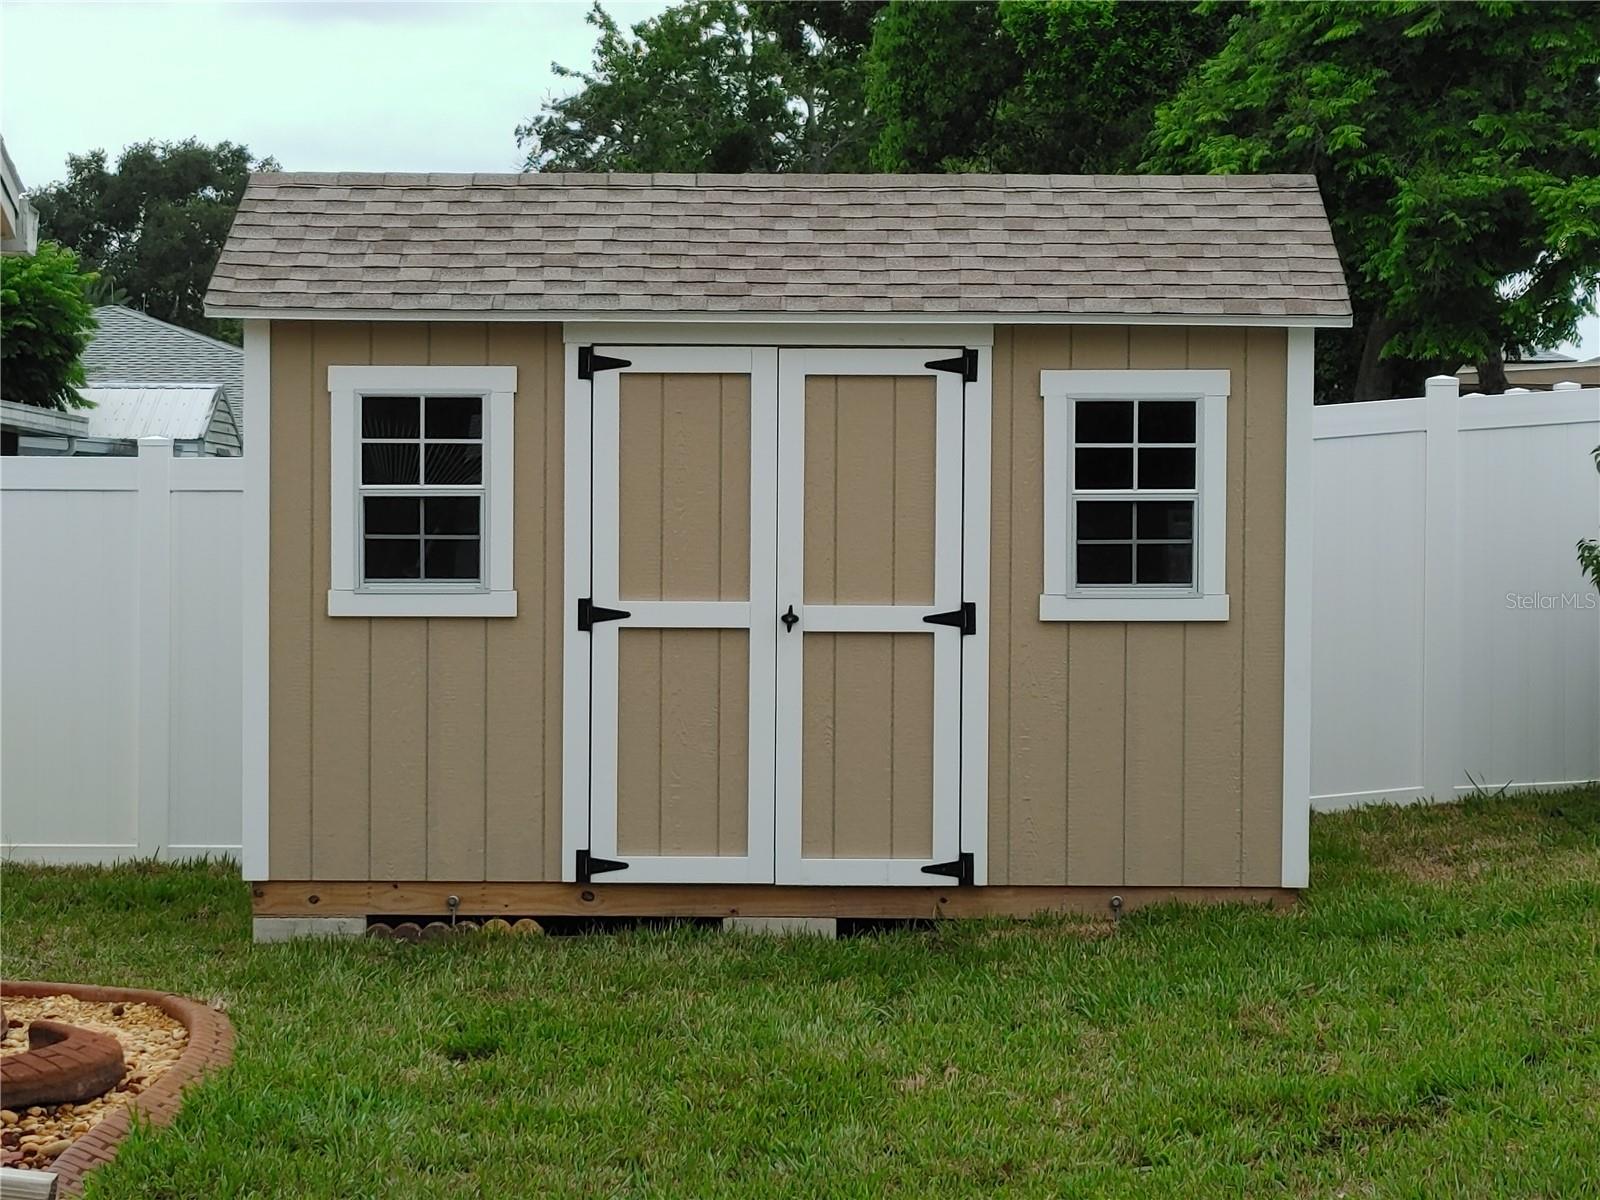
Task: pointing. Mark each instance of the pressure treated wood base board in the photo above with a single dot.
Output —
(284, 898)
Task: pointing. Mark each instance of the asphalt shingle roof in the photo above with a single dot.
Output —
(624, 245)
(134, 349)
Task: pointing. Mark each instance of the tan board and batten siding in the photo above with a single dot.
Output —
(418, 749)
(408, 748)
(1167, 739)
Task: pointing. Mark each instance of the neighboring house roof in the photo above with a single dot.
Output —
(33, 418)
(19, 223)
(134, 349)
(1542, 370)
(183, 413)
(564, 246)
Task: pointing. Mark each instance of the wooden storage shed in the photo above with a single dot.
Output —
(776, 545)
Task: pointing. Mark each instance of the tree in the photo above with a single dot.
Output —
(155, 223)
(715, 85)
(1031, 85)
(45, 322)
(1589, 548)
(1456, 149)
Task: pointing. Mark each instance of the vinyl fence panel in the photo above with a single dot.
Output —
(1456, 645)
(119, 656)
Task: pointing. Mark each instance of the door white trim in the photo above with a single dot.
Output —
(791, 866)
(575, 666)
(755, 615)
(977, 424)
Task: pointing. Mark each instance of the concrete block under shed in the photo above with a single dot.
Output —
(284, 929)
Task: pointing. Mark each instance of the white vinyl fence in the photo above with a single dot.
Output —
(120, 656)
(1455, 643)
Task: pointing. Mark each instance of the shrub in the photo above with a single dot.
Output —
(45, 322)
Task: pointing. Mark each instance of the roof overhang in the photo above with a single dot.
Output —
(1270, 321)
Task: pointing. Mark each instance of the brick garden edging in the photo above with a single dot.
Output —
(209, 1046)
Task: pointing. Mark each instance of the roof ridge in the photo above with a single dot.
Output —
(150, 385)
(756, 181)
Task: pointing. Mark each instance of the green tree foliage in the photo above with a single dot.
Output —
(1029, 85)
(1589, 548)
(715, 85)
(45, 322)
(1457, 147)
(155, 223)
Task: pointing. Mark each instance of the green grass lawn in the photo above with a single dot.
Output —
(1425, 1023)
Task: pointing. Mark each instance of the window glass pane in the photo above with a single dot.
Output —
(389, 417)
(1165, 468)
(453, 464)
(391, 514)
(392, 558)
(389, 462)
(1166, 421)
(455, 558)
(455, 417)
(1100, 519)
(1104, 469)
(1170, 563)
(1105, 563)
(1104, 421)
(1166, 519)
(451, 514)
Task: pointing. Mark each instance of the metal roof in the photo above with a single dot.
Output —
(569, 246)
(135, 412)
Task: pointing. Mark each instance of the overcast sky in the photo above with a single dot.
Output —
(331, 86)
(363, 86)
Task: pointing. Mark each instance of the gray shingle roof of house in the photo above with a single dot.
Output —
(657, 245)
(134, 349)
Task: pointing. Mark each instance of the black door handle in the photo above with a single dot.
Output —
(790, 620)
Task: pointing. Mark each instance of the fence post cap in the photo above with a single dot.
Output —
(1516, 391)
(1567, 385)
(1443, 386)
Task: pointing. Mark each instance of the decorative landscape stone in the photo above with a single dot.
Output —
(165, 1042)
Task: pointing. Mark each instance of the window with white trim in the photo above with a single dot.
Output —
(422, 491)
(1135, 495)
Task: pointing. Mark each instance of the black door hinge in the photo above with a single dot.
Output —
(958, 868)
(591, 614)
(964, 618)
(589, 362)
(964, 364)
(589, 866)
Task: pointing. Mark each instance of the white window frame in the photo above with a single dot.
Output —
(494, 595)
(1207, 598)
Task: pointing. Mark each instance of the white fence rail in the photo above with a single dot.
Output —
(1455, 643)
(120, 656)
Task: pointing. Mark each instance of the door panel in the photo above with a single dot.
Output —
(867, 756)
(870, 467)
(869, 692)
(684, 491)
(683, 742)
(684, 465)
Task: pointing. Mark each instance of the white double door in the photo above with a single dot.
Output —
(774, 617)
